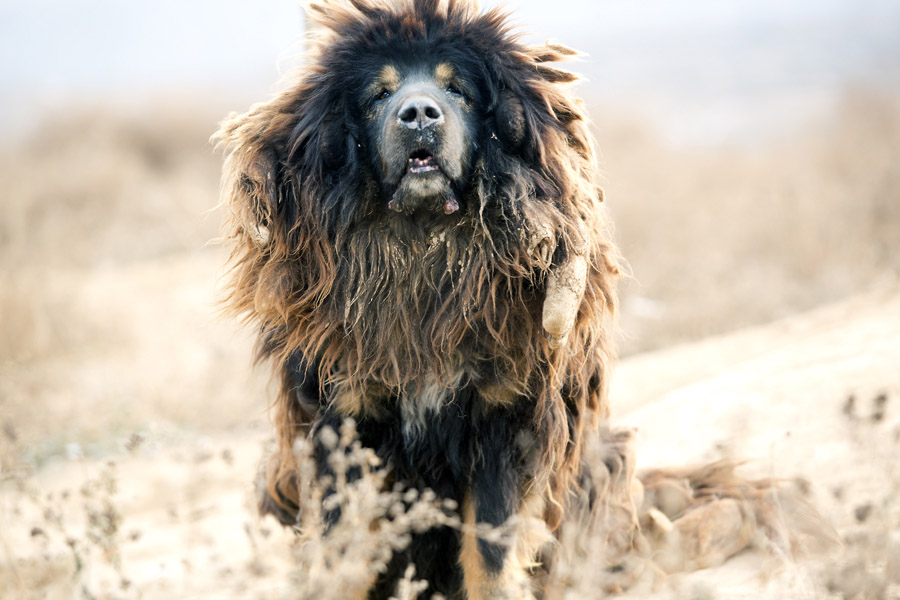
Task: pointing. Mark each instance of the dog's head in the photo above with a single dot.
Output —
(423, 110)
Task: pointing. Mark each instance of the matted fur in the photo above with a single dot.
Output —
(358, 307)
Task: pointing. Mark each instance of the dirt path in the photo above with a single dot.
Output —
(778, 396)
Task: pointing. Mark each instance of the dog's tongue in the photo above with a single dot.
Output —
(394, 204)
(451, 205)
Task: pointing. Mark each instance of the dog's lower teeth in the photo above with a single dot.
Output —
(415, 161)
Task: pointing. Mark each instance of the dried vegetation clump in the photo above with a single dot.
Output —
(728, 237)
(75, 540)
(107, 281)
(667, 522)
(869, 566)
(91, 191)
(374, 522)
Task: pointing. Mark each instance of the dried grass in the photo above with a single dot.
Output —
(104, 273)
(728, 237)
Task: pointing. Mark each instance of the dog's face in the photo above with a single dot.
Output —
(421, 123)
(410, 121)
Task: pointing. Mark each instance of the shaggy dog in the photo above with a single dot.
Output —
(418, 238)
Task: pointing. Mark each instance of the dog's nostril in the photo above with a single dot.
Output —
(408, 114)
(419, 112)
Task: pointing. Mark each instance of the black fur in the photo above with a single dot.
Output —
(465, 449)
(375, 279)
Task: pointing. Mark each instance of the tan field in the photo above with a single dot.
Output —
(764, 294)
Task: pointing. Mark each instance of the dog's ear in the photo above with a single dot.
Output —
(321, 140)
(333, 140)
(521, 118)
(270, 155)
(255, 191)
(510, 117)
(530, 104)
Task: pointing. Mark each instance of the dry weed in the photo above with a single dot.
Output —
(79, 549)
(374, 522)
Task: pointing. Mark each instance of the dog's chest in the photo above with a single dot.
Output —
(422, 404)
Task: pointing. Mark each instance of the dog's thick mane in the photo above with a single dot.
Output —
(379, 300)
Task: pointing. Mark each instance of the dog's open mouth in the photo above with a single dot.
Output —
(421, 161)
(417, 189)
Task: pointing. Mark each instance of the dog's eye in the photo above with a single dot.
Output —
(453, 89)
(384, 93)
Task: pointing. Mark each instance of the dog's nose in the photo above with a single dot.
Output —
(419, 112)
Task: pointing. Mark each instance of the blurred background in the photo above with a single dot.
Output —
(750, 151)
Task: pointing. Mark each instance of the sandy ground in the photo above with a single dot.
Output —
(131, 421)
(779, 397)
(776, 395)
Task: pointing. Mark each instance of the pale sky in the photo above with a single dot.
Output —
(688, 62)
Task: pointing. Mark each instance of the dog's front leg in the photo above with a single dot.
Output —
(491, 549)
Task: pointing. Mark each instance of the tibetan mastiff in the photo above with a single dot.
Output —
(417, 234)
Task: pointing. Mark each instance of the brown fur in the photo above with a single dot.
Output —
(285, 276)
(385, 304)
